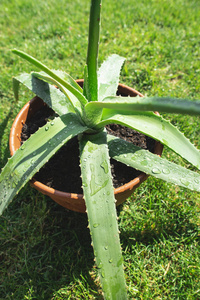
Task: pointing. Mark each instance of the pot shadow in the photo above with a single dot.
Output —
(51, 250)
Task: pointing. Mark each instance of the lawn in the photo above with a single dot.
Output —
(45, 250)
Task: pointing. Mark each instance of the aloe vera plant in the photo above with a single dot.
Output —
(84, 113)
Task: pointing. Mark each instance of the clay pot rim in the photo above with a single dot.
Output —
(51, 191)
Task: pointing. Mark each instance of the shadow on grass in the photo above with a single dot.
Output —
(3, 126)
(175, 223)
(46, 251)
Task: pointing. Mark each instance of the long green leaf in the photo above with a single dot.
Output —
(152, 164)
(108, 76)
(168, 105)
(74, 101)
(93, 47)
(34, 153)
(52, 96)
(66, 77)
(101, 210)
(86, 92)
(157, 128)
(52, 74)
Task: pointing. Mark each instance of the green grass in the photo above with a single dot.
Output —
(46, 250)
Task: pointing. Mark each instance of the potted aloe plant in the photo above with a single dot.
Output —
(84, 113)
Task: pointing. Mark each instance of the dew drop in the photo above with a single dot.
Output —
(106, 247)
(110, 260)
(102, 274)
(144, 163)
(62, 103)
(90, 149)
(156, 171)
(46, 128)
(23, 147)
(104, 165)
(13, 185)
(196, 181)
(52, 123)
(139, 154)
(165, 171)
(100, 265)
(95, 225)
(185, 181)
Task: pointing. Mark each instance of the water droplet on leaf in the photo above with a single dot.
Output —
(144, 163)
(165, 171)
(156, 171)
(95, 225)
(104, 165)
(103, 274)
(185, 181)
(100, 265)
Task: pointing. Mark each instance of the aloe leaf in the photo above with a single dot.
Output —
(34, 153)
(16, 83)
(93, 47)
(70, 96)
(101, 210)
(91, 117)
(152, 164)
(86, 84)
(156, 127)
(168, 105)
(108, 76)
(52, 74)
(66, 77)
(52, 96)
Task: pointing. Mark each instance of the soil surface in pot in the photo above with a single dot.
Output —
(62, 171)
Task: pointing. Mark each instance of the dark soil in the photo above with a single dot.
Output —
(62, 172)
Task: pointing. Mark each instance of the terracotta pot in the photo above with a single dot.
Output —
(71, 201)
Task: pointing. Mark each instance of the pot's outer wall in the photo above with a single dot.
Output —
(72, 201)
